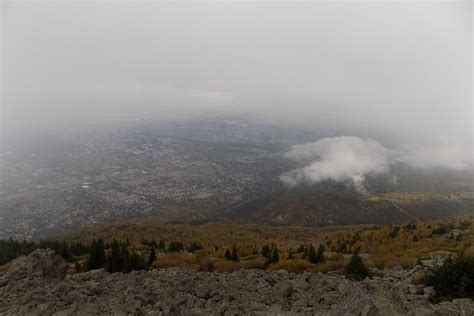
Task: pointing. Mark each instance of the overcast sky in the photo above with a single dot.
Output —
(398, 69)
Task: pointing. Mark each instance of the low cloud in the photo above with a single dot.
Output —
(343, 159)
(453, 156)
(211, 94)
(351, 160)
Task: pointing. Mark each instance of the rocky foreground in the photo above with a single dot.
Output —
(39, 285)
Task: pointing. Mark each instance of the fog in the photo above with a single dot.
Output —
(399, 73)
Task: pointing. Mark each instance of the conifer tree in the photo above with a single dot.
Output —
(265, 252)
(65, 251)
(234, 255)
(193, 247)
(302, 248)
(161, 245)
(290, 254)
(275, 257)
(320, 254)
(227, 255)
(77, 267)
(311, 254)
(356, 269)
(137, 262)
(115, 260)
(126, 260)
(175, 246)
(97, 258)
(151, 257)
(453, 279)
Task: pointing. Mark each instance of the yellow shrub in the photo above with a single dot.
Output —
(227, 266)
(297, 266)
(333, 256)
(375, 262)
(178, 259)
(206, 264)
(329, 266)
(254, 263)
(405, 262)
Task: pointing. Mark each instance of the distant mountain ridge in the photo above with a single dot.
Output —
(316, 208)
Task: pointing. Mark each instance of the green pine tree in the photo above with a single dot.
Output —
(234, 255)
(137, 262)
(228, 255)
(161, 245)
(356, 269)
(265, 252)
(290, 254)
(115, 261)
(320, 254)
(275, 255)
(151, 257)
(126, 259)
(65, 251)
(97, 258)
(311, 254)
(453, 279)
(77, 267)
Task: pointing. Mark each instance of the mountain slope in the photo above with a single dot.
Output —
(316, 208)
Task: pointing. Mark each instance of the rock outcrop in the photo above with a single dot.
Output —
(37, 285)
(41, 262)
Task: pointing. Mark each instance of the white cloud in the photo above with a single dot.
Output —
(210, 94)
(343, 159)
(351, 160)
(454, 157)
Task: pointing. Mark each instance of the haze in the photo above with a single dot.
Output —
(400, 73)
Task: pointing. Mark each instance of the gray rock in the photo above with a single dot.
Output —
(283, 289)
(203, 292)
(42, 262)
(429, 291)
(376, 271)
(36, 285)
(412, 289)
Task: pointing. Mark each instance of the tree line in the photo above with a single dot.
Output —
(113, 256)
(11, 249)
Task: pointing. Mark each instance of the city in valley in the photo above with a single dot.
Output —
(194, 171)
(180, 170)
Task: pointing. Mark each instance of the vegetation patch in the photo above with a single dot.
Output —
(226, 246)
(356, 270)
(454, 279)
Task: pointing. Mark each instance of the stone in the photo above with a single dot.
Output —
(41, 262)
(36, 284)
(283, 289)
(203, 292)
(429, 291)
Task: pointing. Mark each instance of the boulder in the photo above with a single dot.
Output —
(283, 289)
(40, 263)
(36, 285)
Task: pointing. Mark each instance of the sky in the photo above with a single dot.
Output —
(399, 73)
